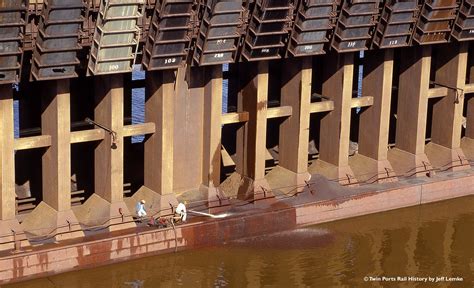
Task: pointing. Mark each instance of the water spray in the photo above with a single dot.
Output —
(208, 214)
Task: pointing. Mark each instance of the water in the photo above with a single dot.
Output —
(434, 240)
(138, 103)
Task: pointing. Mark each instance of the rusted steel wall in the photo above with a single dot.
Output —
(165, 34)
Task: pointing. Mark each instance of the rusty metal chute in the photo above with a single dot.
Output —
(11, 25)
(464, 25)
(116, 37)
(313, 23)
(55, 51)
(170, 35)
(355, 25)
(268, 29)
(220, 32)
(435, 22)
(396, 24)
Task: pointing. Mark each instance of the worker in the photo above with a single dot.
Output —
(141, 212)
(180, 212)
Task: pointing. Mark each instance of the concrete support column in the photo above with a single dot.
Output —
(106, 207)
(333, 160)
(294, 131)
(467, 142)
(211, 171)
(188, 130)
(159, 109)
(108, 177)
(55, 210)
(444, 150)
(408, 157)
(251, 138)
(56, 122)
(470, 118)
(8, 222)
(371, 163)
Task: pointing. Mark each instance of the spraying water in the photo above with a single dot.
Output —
(208, 214)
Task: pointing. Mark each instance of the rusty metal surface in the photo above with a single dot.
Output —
(464, 25)
(116, 37)
(435, 22)
(220, 32)
(55, 52)
(355, 25)
(396, 24)
(312, 27)
(170, 35)
(268, 29)
(212, 32)
(11, 26)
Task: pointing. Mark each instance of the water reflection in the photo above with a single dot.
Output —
(432, 240)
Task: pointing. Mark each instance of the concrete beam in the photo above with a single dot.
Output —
(360, 102)
(320, 107)
(159, 146)
(294, 131)
(408, 157)
(11, 232)
(251, 137)
(139, 129)
(235, 117)
(7, 154)
(253, 99)
(469, 88)
(188, 129)
(371, 163)
(447, 112)
(444, 151)
(212, 133)
(279, 112)
(437, 92)
(87, 136)
(159, 107)
(333, 159)
(296, 77)
(32, 142)
(56, 122)
(109, 153)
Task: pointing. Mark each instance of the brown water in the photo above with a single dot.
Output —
(434, 240)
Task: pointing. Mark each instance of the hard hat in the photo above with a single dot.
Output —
(143, 201)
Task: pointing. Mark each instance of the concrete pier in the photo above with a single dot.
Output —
(183, 123)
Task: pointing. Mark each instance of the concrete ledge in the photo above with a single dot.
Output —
(446, 159)
(370, 170)
(407, 164)
(342, 174)
(41, 220)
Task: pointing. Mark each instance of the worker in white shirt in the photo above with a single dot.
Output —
(180, 212)
(141, 212)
